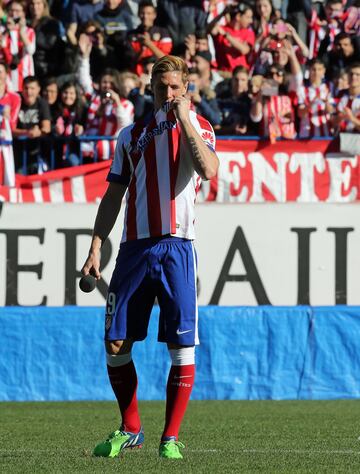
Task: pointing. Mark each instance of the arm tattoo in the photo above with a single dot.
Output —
(196, 152)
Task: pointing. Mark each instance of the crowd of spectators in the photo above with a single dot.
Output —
(72, 71)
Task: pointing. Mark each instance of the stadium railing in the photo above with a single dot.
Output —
(22, 159)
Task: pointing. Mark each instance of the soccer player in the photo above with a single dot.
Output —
(160, 163)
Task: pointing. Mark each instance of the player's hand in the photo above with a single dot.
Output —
(181, 106)
(92, 265)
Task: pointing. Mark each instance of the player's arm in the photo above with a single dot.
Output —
(105, 219)
(205, 160)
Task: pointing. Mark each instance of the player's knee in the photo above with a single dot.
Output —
(182, 355)
(118, 347)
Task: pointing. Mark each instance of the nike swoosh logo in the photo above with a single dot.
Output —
(178, 332)
(182, 376)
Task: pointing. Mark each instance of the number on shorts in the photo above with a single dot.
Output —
(111, 303)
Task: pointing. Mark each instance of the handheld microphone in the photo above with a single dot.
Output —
(87, 283)
(166, 106)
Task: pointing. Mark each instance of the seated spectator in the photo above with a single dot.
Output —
(108, 111)
(50, 92)
(235, 105)
(181, 19)
(348, 109)
(116, 20)
(342, 56)
(203, 99)
(33, 123)
(49, 45)
(9, 110)
(148, 39)
(19, 39)
(272, 107)
(69, 122)
(81, 12)
(233, 42)
(315, 103)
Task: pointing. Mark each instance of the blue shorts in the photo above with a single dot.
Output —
(162, 268)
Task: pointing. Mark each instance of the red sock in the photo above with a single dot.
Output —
(178, 391)
(123, 380)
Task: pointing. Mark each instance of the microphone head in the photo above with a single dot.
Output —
(87, 283)
(166, 106)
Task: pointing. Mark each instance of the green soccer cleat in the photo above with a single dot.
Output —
(117, 441)
(169, 449)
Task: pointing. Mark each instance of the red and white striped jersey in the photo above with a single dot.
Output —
(113, 118)
(317, 122)
(12, 41)
(162, 183)
(7, 168)
(353, 103)
(277, 118)
(318, 32)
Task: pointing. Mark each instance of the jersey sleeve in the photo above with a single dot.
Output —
(120, 171)
(204, 129)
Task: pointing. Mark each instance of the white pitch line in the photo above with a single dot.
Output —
(277, 451)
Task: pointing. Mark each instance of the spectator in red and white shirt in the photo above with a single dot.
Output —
(234, 41)
(19, 39)
(108, 111)
(324, 28)
(148, 39)
(272, 106)
(316, 103)
(348, 109)
(9, 106)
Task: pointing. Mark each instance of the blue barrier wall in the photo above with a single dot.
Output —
(245, 353)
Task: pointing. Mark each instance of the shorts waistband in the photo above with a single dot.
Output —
(148, 241)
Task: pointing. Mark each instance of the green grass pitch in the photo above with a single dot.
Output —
(220, 437)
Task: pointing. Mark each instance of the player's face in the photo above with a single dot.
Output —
(167, 86)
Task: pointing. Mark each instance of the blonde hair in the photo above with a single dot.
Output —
(170, 64)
